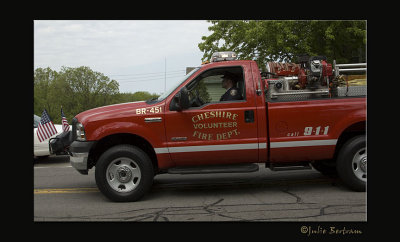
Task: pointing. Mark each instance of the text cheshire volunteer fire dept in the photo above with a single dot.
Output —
(201, 128)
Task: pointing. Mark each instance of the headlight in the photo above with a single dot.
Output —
(80, 132)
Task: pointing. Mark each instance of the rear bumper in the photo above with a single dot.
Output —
(79, 152)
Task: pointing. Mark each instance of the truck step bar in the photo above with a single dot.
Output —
(232, 168)
(289, 166)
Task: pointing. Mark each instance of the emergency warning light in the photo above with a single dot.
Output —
(223, 56)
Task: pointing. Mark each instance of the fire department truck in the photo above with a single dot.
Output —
(290, 116)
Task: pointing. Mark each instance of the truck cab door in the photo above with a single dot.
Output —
(211, 131)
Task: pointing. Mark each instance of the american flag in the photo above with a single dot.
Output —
(65, 125)
(46, 128)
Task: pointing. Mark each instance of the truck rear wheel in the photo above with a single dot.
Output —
(124, 173)
(352, 163)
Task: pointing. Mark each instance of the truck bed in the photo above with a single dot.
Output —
(310, 130)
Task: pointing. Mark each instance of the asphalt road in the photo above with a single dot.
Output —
(63, 194)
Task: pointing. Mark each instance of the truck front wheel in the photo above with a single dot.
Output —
(352, 163)
(124, 173)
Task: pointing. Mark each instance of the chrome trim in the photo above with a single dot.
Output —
(179, 138)
(324, 92)
(161, 150)
(248, 146)
(359, 164)
(302, 143)
(123, 174)
(153, 120)
(199, 148)
(79, 160)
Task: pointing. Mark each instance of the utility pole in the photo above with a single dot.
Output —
(165, 76)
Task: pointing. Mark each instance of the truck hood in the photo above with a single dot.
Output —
(114, 111)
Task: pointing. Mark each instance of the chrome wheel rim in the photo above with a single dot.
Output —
(359, 164)
(123, 175)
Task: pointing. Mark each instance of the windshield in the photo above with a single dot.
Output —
(175, 85)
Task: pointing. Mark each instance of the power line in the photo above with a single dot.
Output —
(147, 79)
(140, 74)
(155, 76)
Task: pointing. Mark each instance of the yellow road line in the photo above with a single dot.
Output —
(177, 186)
(65, 190)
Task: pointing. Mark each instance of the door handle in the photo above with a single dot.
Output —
(249, 116)
(153, 120)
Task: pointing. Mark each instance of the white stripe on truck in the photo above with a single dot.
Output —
(249, 146)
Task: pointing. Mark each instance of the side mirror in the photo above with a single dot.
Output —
(180, 101)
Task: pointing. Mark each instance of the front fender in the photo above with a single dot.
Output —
(347, 121)
(152, 132)
(113, 128)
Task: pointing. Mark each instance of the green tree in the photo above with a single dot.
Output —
(89, 88)
(137, 96)
(272, 40)
(75, 89)
(42, 89)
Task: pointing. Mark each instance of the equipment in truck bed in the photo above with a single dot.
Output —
(313, 78)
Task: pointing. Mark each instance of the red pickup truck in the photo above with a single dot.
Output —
(289, 116)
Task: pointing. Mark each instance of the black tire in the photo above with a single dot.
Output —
(349, 163)
(127, 167)
(326, 167)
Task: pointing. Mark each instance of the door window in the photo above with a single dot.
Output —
(217, 85)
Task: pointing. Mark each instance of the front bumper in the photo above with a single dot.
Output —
(79, 152)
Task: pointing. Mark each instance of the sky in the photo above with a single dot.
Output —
(138, 54)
